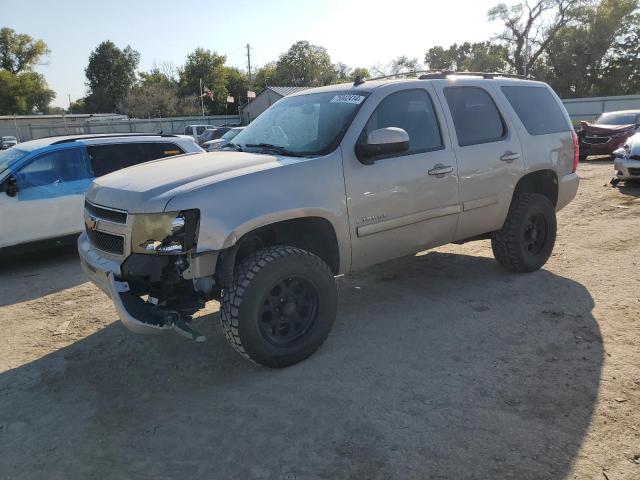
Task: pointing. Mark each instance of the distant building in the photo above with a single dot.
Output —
(264, 100)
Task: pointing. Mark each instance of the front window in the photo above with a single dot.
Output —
(9, 157)
(617, 119)
(303, 125)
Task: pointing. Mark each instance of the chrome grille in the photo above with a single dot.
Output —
(115, 216)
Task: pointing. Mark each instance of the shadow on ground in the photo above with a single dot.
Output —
(630, 188)
(439, 366)
(26, 276)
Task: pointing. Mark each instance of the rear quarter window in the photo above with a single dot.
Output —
(537, 109)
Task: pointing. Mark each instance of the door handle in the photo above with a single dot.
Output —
(440, 169)
(509, 156)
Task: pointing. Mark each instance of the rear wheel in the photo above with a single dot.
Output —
(280, 307)
(526, 240)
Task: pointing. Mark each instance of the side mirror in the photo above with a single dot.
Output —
(11, 186)
(382, 142)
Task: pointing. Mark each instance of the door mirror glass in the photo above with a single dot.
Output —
(10, 186)
(383, 141)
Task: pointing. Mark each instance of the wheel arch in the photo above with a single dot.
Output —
(315, 234)
(544, 182)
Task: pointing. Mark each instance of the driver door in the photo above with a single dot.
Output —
(408, 201)
(49, 201)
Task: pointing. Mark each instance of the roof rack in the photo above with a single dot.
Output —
(115, 135)
(438, 74)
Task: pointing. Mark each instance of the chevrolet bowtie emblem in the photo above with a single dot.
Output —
(92, 223)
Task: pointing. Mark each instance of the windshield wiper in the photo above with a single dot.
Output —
(274, 148)
(235, 146)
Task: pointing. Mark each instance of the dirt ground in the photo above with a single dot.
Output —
(440, 366)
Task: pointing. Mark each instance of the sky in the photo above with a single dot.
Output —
(355, 32)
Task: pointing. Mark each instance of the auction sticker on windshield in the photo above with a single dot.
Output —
(355, 99)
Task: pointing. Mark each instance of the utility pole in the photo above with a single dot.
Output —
(249, 66)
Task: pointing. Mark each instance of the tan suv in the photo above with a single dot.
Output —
(325, 182)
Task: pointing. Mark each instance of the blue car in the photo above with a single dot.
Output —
(42, 182)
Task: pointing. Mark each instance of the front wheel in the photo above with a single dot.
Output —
(280, 307)
(528, 235)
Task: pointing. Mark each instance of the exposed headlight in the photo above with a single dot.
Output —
(168, 233)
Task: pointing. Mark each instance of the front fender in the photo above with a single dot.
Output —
(298, 189)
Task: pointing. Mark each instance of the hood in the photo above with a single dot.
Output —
(147, 188)
(213, 142)
(590, 129)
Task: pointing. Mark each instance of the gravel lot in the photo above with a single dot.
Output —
(440, 366)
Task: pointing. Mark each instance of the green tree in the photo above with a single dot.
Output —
(209, 67)
(596, 55)
(19, 51)
(110, 74)
(264, 76)
(359, 72)
(530, 26)
(237, 86)
(470, 57)
(24, 93)
(404, 64)
(304, 65)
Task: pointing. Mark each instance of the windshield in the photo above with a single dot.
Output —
(9, 157)
(9, 139)
(616, 119)
(311, 124)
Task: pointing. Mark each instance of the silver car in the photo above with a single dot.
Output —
(627, 161)
(325, 182)
(218, 143)
(8, 142)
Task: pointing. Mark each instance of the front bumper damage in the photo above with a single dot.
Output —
(626, 168)
(138, 315)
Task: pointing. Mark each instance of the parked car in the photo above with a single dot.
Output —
(212, 134)
(195, 130)
(608, 132)
(42, 182)
(627, 161)
(327, 181)
(8, 142)
(217, 144)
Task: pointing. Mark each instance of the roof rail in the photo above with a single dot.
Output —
(487, 75)
(439, 74)
(114, 135)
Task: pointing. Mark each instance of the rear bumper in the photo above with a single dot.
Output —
(567, 189)
(103, 273)
(627, 169)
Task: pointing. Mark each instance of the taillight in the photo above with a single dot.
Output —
(576, 152)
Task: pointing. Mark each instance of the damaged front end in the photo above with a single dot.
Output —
(156, 279)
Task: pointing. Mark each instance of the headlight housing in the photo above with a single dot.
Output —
(170, 233)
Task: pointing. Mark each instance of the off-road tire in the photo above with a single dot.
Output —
(509, 243)
(253, 279)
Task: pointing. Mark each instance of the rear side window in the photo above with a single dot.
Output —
(475, 116)
(537, 109)
(411, 110)
(109, 158)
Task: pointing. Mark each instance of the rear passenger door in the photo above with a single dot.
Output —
(111, 157)
(488, 152)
